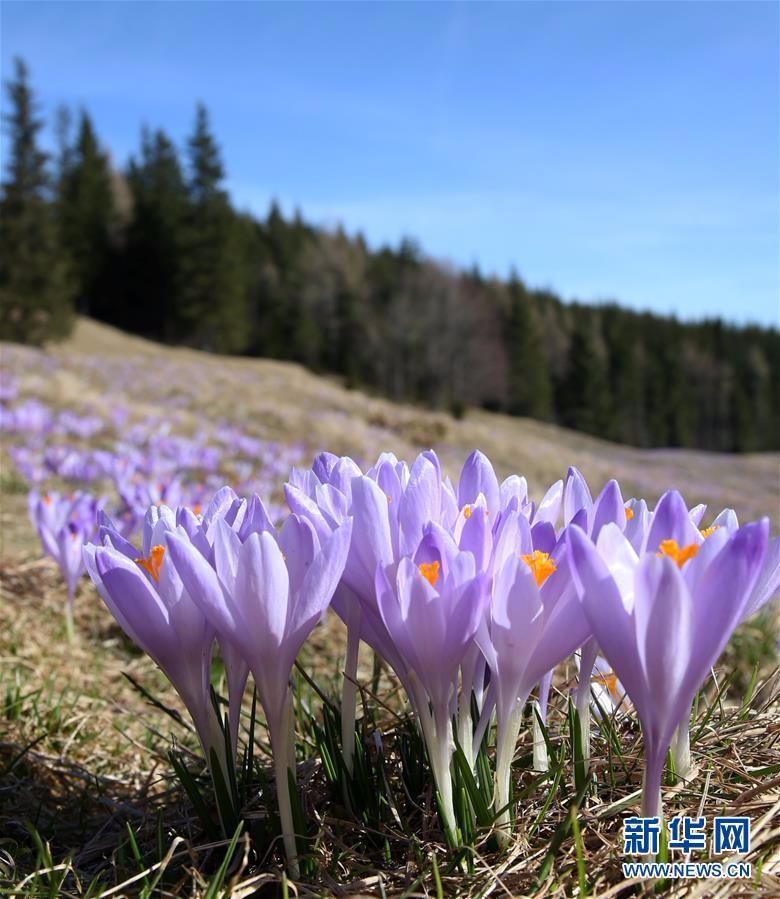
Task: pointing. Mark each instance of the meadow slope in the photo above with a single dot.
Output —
(97, 368)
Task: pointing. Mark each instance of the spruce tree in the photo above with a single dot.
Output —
(156, 239)
(529, 387)
(626, 372)
(86, 213)
(584, 398)
(35, 294)
(213, 290)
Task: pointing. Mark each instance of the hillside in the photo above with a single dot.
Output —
(99, 369)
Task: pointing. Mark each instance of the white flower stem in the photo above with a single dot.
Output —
(466, 733)
(465, 723)
(443, 749)
(485, 718)
(349, 695)
(283, 752)
(541, 761)
(70, 630)
(582, 697)
(437, 733)
(651, 785)
(506, 740)
(212, 739)
(681, 748)
(584, 715)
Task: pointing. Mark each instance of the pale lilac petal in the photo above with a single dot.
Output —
(609, 507)
(371, 541)
(727, 519)
(576, 496)
(514, 487)
(477, 536)
(543, 537)
(767, 585)
(323, 465)
(419, 504)
(134, 603)
(550, 506)
(513, 538)
(306, 507)
(696, 513)
(478, 477)
(606, 610)
(299, 544)
(724, 589)
(318, 585)
(203, 586)
(664, 618)
(671, 522)
(223, 499)
(227, 547)
(262, 593)
(256, 519)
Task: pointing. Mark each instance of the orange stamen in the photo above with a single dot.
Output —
(47, 499)
(680, 554)
(629, 513)
(154, 563)
(197, 508)
(610, 682)
(541, 565)
(430, 571)
(708, 532)
(467, 511)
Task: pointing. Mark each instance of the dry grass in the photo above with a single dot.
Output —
(83, 755)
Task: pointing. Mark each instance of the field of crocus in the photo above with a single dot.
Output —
(263, 634)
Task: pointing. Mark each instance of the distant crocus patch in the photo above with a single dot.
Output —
(64, 524)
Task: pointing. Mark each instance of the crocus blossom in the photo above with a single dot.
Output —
(264, 596)
(64, 525)
(663, 617)
(580, 508)
(431, 605)
(534, 622)
(765, 588)
(145, 594)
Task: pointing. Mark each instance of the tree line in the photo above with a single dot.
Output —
(158, 249)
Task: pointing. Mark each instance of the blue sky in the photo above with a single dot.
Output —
(625, 151)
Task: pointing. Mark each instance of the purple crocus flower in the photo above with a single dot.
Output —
(534, 622)
(28, 461)
(716, 535)
(333, 489)
(30, 417)
(767, 584)
(431, 605)
(64, 525)
(145, 594)
(9, 387)
(392, 506)
(581, 509)
(265, 596)
(662, 618)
